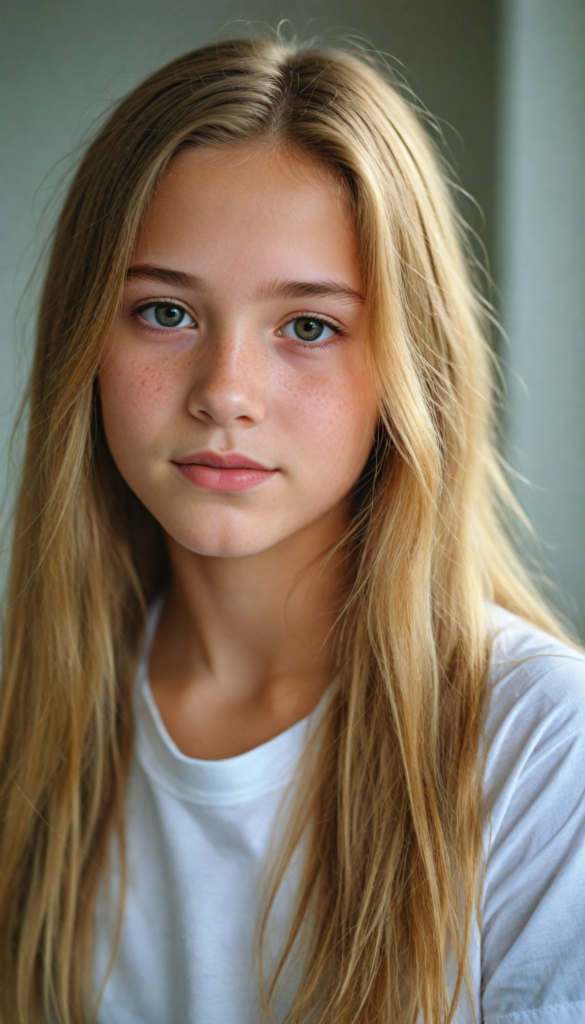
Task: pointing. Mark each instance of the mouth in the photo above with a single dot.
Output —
(231, 472)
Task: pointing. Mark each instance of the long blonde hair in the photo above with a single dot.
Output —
(392, 815)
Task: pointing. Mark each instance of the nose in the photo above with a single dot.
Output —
(228, 384)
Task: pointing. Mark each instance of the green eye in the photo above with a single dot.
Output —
(166, 314)
(308, 328)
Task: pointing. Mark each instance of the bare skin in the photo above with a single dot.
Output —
(264, 243)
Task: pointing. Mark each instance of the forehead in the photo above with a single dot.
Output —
(235, 209)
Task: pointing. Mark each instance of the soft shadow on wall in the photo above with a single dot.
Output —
(541, 247)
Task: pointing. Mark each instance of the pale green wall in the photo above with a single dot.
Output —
(542, 263)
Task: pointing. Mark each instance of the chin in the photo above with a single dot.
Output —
(234, 547)
(216, 539)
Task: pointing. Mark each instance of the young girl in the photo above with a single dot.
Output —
(285, 733)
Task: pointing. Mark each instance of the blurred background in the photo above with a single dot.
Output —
(505, 78)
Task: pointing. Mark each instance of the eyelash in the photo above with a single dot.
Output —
(162, 301)
(332, 324)
(328, 342)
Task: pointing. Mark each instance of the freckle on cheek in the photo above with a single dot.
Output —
(153, 380)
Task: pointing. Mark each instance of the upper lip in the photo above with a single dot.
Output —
(234, 460)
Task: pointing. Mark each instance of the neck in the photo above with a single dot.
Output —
(258, 622)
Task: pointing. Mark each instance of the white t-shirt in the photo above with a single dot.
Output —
(198, 835)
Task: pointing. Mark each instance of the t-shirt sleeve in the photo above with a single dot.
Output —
(533, 927)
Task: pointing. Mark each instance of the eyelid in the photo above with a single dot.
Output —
(162, 300)
(329, 321)
(144, 304)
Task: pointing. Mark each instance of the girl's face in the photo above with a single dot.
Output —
(235, 394)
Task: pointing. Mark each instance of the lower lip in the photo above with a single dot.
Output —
(213, 478)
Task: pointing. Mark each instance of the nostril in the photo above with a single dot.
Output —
(227, 404)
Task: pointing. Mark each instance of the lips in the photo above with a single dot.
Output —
(231, 472)
(233, 460)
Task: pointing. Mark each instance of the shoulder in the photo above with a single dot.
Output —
(523, 656)
(536, 691)
(534, 897)
(535, 720)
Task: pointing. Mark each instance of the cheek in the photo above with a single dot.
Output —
(333, 419)
(136, 397)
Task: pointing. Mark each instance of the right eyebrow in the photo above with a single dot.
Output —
(165, 275)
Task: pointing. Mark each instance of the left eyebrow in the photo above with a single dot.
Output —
(308, 289)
